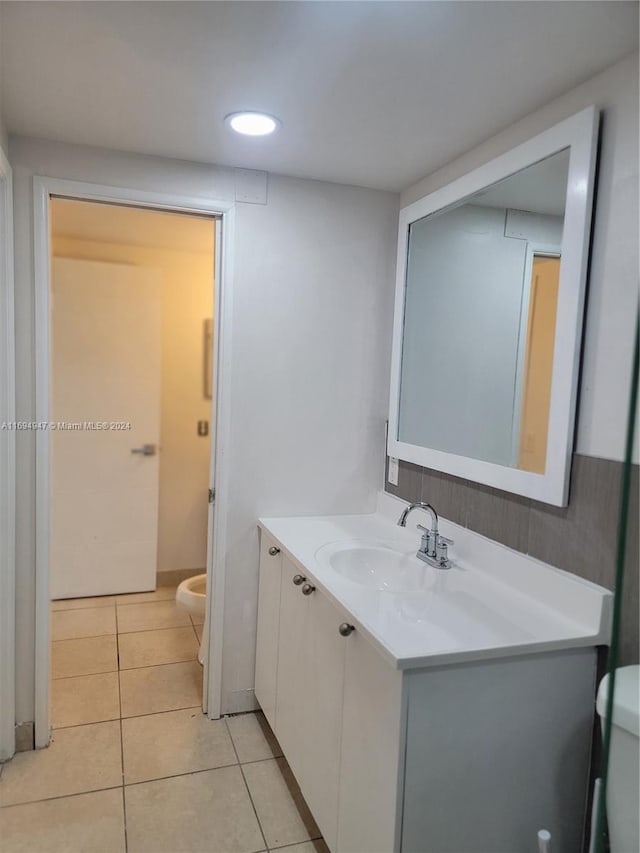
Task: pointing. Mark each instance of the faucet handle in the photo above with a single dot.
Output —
(442, 554)
(425, 542)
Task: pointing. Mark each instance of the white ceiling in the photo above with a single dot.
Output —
(371, 93)
(131, 226)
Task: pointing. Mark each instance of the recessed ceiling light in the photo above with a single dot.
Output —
(252, 123)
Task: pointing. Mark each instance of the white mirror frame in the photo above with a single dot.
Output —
(579, 133)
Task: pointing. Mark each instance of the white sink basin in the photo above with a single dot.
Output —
(375, 565)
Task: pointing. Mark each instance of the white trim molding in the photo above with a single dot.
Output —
(7, 468)
(44, 188)
(579, 134)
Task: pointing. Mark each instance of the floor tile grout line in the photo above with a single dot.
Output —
(171, 599)
(196, 633)
(114, 634)
(81, 725)
(167, 711)
(262, 760)
(119, 694)
(61, 796)
(83, 675)
(246, 784)
(159, 628)
(153, 665)
(124, 799)
(88, 637)
(77, 639)
(179, 775)
(124, 820)
(134, 717)
(102, 606)
(110, 604)
(147, 630)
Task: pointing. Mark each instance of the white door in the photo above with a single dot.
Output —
(105, 382)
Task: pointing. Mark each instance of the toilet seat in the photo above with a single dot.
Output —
(192, 595)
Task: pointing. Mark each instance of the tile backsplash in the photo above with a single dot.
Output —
(580, 538)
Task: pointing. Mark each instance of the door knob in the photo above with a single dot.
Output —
(307, 589)
(345, 629)
(145, 450)
(298, 579)
(273, 550)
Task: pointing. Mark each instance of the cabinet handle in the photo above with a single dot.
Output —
(307, 589)
(345, 629)
(273, 550)
(298, 579)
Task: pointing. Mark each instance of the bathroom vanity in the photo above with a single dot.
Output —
(422, 709)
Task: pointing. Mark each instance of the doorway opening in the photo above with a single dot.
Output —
(538, 361)
(132, 407)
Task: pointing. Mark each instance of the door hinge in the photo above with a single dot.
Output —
(212, 495)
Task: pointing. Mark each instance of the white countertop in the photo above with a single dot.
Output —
(493, 602)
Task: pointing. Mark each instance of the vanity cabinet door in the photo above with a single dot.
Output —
(268, 626)
(291, 704)
(311, 656)
(372, 751)
(325, 652)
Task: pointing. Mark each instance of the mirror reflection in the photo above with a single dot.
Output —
(480, 318)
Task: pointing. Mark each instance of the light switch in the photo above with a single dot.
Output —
(392, 475)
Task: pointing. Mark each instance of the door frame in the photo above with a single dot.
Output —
(224, 213)
(7, 469)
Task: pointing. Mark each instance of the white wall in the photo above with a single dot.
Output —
(4, 137)
(311, 349)
(187, 299)
(7, 413)
(613, 280)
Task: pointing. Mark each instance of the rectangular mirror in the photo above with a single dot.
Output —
(488, 317)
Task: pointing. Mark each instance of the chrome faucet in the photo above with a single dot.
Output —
(433, 546)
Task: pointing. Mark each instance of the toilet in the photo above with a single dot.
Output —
(192, 595)
(624, 759)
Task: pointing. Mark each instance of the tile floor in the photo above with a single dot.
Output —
(133, 765)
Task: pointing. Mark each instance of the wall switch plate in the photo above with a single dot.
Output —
(392, 474)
